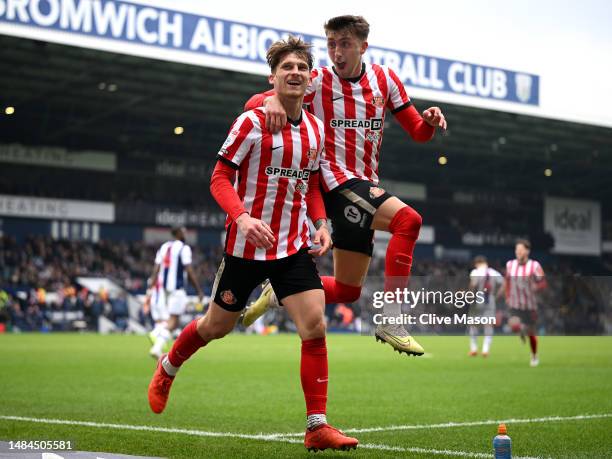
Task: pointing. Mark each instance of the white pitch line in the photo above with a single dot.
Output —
(104, 425)
(264, 437)
(415, 449)
(463, 424)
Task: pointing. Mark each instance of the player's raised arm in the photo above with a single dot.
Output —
(421, 127)
(276, 116)
(257, 100)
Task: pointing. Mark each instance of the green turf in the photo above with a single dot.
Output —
(250, 384)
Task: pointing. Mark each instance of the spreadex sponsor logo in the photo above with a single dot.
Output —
(374, 124)
(287, 172)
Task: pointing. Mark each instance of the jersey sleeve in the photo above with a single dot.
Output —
(398, 99)
(538, 272)
(186, 255)
(508, 264)
(243, 134)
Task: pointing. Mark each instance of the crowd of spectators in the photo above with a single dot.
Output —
(38, 282)
(42, 262)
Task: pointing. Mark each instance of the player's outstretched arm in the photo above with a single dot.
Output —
(434, 117)
(420, 128)
(257, 100)
(276, 116)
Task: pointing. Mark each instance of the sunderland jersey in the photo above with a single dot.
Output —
(273, 172)
(172, 258)
(521, 280)
(353, 113)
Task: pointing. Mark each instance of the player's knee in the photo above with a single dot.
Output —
(407, 221)
(315, 328)
(413, 220)
(347, 293)
(210, 330)
(215, 332)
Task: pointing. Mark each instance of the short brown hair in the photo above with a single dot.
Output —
(281, 48)
(524, 242)
(354, 24)
(480, 259)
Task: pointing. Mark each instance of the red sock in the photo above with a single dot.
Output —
(533, 342)
(337, 292)
(186, 344)
(313, 372)
(404, 229)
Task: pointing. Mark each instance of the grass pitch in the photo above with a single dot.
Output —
(250, 385)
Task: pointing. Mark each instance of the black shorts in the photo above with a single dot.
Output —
(529, 317)
(237, 278)
(351, 208)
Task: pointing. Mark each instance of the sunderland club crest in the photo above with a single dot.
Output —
(378, 101)
(228, 297)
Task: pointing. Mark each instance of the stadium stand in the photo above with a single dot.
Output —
(491, 192)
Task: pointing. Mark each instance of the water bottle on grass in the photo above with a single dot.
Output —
(502, 443)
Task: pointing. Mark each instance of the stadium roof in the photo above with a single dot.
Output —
(79, 98)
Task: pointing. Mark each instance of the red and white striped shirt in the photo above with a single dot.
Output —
(273, 172)
(354, 118)
(521, 280)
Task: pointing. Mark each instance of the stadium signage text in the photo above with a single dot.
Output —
(479, 239)
(202, 219)
(575, 225)
(238, 46)
(66, 209)
(58, 157)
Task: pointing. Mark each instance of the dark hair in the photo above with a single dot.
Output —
(281, 48)
(176, 230)
(354, 24)
(524, 242)
(480, 259)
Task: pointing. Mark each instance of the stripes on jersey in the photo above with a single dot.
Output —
(521, 280)
(273, 172)
(354, 116)
(172, 257)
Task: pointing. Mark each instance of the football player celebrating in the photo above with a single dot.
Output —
(268, 237)
(351, 98)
